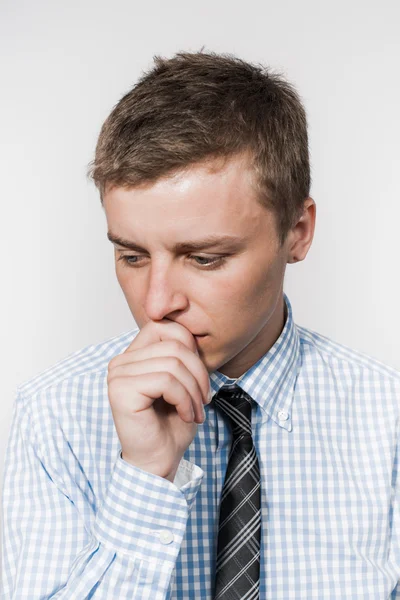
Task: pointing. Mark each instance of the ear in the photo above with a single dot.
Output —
(301, 236)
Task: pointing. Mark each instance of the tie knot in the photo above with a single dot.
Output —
(236, 404)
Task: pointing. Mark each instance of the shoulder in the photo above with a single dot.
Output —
(342, 359)
(88, 363)
(63, 415)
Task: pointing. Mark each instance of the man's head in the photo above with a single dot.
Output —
(204, 145)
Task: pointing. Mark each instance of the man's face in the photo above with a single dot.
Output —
(237, 300)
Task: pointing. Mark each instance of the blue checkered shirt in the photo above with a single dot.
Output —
(79, 522)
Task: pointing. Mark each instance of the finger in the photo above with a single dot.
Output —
(158, 331)
(169, 348)
(151, 386)
(171, 364)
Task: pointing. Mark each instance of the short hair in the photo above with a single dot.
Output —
(198, 106)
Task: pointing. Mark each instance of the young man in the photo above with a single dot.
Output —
(122, 478)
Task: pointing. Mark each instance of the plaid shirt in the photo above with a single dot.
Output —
(79, 522)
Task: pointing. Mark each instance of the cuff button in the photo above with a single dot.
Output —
(166, 536)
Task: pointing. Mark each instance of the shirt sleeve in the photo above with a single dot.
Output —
(394, 550)
(395, 595)
(48, 549)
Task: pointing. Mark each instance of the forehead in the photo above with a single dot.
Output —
(202, 198)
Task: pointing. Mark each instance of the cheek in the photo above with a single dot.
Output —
(248, 288)
(123, 280)
(249, 302)
(130, 288)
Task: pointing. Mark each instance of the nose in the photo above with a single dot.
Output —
(165, 293)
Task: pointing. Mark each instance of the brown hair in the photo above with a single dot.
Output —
(197, 106)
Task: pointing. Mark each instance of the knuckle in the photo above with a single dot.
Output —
(175, 345)
(113, 363)
(112, 379)
(168, 378)
(175, 362)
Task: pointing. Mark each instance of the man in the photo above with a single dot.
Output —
(122, 478)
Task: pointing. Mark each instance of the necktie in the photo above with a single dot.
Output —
(239, 534)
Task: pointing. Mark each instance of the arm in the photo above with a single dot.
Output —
(57, 544)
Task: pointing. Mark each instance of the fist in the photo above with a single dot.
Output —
(157, 388)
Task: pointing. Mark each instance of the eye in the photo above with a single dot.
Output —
(211, 261)
(132, 260)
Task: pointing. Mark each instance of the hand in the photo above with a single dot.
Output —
(156, 389)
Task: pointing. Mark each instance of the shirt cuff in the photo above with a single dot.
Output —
(144, 515)
(184, 475)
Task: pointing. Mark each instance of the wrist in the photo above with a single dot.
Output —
(153, 468)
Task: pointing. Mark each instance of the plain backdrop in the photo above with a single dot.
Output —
(63, 67)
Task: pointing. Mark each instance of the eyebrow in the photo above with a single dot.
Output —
(226, 241)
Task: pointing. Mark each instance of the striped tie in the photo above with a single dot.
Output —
(239, 534)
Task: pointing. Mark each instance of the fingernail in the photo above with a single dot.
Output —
(210, 395)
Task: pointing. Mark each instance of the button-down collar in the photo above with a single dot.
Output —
(271, 380)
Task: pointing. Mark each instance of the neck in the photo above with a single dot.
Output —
(260, 345)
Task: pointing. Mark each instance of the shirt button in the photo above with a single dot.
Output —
(282, 415)
(166, 536)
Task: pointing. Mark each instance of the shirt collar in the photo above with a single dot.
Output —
(271, 380)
